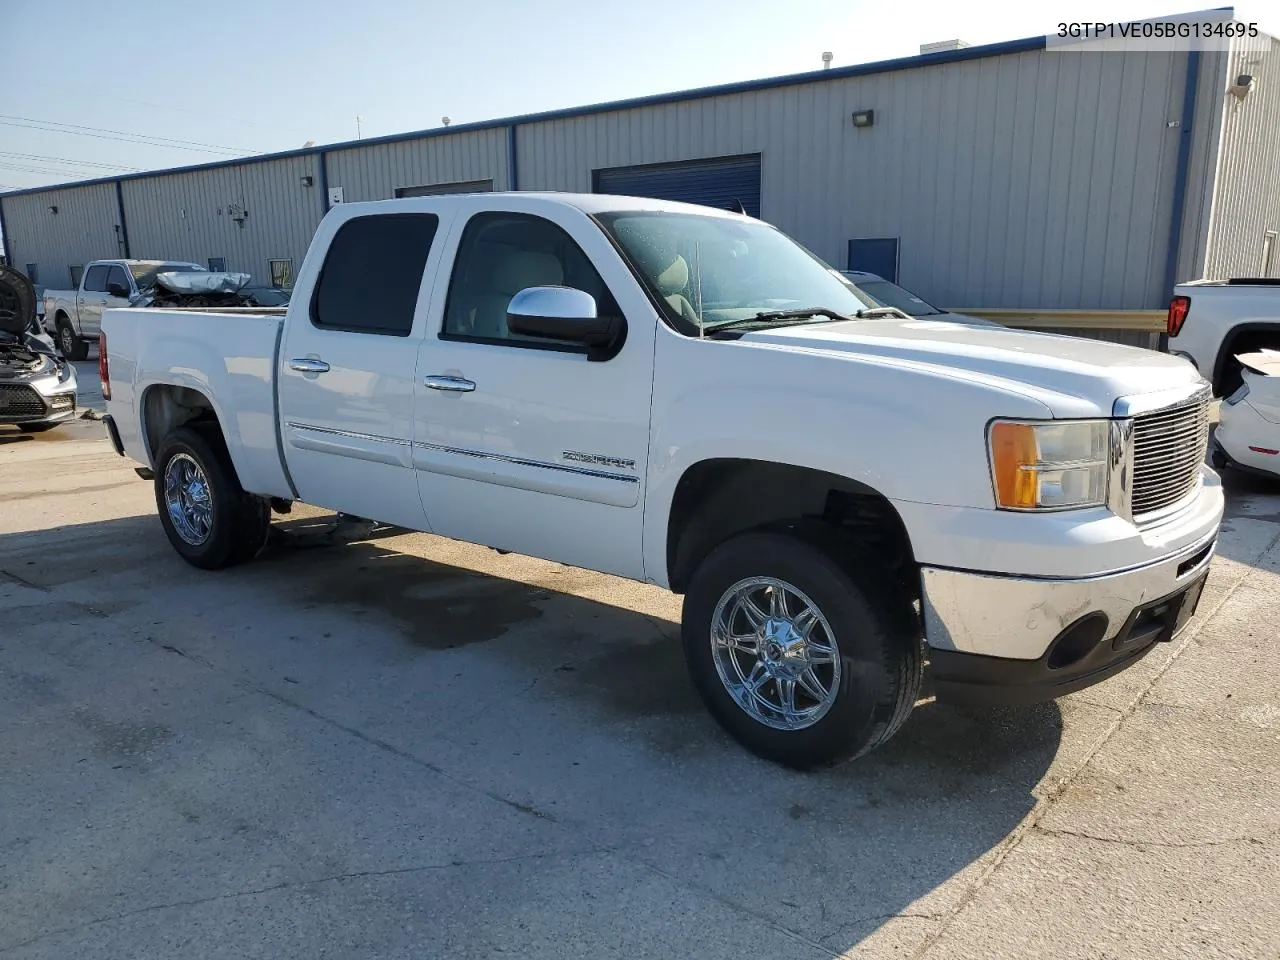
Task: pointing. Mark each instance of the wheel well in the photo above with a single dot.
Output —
(718, 499)
(61, 315)
(1243, 339)
(166, 407)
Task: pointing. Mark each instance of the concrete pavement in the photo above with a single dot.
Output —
(409, 747)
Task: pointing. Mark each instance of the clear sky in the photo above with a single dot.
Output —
(261, 75)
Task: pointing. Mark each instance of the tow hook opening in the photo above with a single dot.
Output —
(1078, 640)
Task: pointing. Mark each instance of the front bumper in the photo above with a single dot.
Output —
(1023, 639)
(45, 399)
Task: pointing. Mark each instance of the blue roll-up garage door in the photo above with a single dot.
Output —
(722, 182)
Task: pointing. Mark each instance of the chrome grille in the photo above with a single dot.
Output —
(17, 400)
(1168, 449)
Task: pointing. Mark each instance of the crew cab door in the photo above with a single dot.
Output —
(525, 444)
(346, 367)
(92, 299)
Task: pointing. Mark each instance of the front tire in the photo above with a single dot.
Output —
(207, 516)
(72, 347)
(804, 657)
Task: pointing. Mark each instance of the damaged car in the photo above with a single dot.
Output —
(37, 386)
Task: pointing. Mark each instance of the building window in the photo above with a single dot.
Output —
(281, 273)
(33, 273)
(1268, 253)
(218, 264)
(77, 272)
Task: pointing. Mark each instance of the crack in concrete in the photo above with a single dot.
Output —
(1155, 844)
(1050, 796)
(735, 906)
(299, 884)
(23, 582)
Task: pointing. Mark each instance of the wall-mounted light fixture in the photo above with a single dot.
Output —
(864, 118)
(1240, 89)
(308, 180)
(53, 209)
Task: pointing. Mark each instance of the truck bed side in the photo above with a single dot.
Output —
(228, 359)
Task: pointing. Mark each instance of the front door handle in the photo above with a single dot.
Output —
(453, 384)
(307, 365)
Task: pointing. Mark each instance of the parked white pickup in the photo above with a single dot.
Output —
(686, 397)
(1212, 322)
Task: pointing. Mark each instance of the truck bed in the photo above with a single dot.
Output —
(230, 357)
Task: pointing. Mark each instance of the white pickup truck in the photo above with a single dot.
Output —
(687, 397)
(1212, 322)
(74, 317)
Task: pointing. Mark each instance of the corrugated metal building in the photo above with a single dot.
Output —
(1009, 175)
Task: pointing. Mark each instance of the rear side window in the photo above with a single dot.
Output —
(95, 281)
(371, 275)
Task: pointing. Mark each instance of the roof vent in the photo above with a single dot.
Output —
(940, 45)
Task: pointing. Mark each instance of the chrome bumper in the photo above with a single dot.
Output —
(1018, 618)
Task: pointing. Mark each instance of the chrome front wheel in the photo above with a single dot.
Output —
(775, 653)
(187, 499)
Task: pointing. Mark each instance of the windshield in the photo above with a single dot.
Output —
(144, 271)
(709, 270)
(892, 295)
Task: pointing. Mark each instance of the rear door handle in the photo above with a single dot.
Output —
(453, 384)
(307, 365)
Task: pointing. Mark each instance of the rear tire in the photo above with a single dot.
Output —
(862, 648)
(72, 347)
(207, 516)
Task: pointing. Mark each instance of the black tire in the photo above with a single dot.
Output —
(37, 427)
(240, 522)
(72, 347)
(875, 630)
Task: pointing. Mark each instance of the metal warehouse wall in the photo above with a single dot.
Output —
(189, 216)
(83, 229)
(1036, 179)
(1246, 199)
(1206, 137)
(376, 171)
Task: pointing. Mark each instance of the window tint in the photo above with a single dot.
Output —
(218, 264)
(95, 281)
(117, 275)
(371, 274)
(502, 254)
(77, 271)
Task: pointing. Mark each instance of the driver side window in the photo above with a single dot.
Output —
(503, 253)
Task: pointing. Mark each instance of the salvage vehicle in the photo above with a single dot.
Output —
(687, 397)
(74, 316)
(1248, 434)
(37, 387)
(1212, 322)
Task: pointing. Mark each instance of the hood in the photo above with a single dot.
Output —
(17, 302)
(1061, 371)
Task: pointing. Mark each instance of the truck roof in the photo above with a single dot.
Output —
(586, 202)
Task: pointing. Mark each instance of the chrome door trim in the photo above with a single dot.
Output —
(525, 462)
(308, 365)
(359, 446)
(453, 384)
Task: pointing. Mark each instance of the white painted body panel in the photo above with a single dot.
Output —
(1216, 310)
(1247, 430)
(899, 405)
(229, 358)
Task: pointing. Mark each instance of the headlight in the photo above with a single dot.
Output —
(1048, 464)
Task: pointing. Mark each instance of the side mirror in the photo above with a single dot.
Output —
(117, 290)
(563, 313)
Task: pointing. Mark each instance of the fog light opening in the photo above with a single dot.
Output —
(1078, 640)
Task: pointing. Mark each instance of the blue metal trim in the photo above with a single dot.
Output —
(747, 86)
(323, 178)
(1178, 213)
(124, 226)
(4, 232)
(513, 167)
